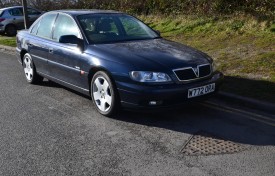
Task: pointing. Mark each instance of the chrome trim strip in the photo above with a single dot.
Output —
(198, 66)
(64, 82)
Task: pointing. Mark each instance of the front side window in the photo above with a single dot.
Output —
(16, 12)
(46, 24)
(65, 25)
(109, 28)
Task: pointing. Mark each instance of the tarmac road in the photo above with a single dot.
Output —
(50, 130)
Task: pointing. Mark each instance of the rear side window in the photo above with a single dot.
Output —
(45, 27)
(65, 25)
(16, 12)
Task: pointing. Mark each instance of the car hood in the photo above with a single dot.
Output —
(150, 54)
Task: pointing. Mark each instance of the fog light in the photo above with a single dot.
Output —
(154, 103)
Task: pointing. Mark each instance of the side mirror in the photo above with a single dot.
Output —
(72, 39)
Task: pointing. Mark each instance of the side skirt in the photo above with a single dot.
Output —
(66, 84)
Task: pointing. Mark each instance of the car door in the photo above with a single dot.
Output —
(40, 41)
(65, 60)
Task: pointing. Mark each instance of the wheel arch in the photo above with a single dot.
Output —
(22, 54)
(94, 70)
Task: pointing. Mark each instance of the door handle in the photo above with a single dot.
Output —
(51, 50)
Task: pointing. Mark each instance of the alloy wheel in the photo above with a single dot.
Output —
(102, 94)
(28, 68)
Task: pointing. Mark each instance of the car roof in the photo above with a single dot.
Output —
(87, 11)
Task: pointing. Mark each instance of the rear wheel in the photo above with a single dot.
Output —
(104, 94)
(11, 30)
(29, 69)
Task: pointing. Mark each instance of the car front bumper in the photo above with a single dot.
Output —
(134, 96)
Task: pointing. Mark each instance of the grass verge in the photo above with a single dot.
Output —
(7, 41)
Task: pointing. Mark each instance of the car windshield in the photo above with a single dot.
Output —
(111, 28)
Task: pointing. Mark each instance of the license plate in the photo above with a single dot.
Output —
(198, 91)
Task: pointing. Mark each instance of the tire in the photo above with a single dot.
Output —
(30, 71)
(104, 94)
(11, 30)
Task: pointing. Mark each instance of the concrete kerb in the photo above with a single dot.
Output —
(252, 103)
(7, 48)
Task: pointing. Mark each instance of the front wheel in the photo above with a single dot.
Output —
(29, 69)
(104, 94)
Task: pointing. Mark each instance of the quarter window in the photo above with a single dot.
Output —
(45, 27)
(34, 28)
(65, 26)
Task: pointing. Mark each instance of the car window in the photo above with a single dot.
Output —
(46, 24)
(16, 12)
(34, 28)
(106, 28)
(1, 11)
(33, 12)
(132, 27)
(65, 25)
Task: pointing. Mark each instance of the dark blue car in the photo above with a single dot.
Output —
(116, 59)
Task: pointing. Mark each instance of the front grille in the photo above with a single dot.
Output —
(189, 73)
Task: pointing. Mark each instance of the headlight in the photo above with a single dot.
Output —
(145, 76)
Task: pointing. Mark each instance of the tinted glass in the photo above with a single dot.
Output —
(1, 11)
(46, 24)
(33, 12)
(133, 27)
(65, 26)
(16, 12)
(108, 28)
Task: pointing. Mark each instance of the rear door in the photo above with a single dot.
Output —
(40, 41)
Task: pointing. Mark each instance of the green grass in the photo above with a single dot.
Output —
(7, 41)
